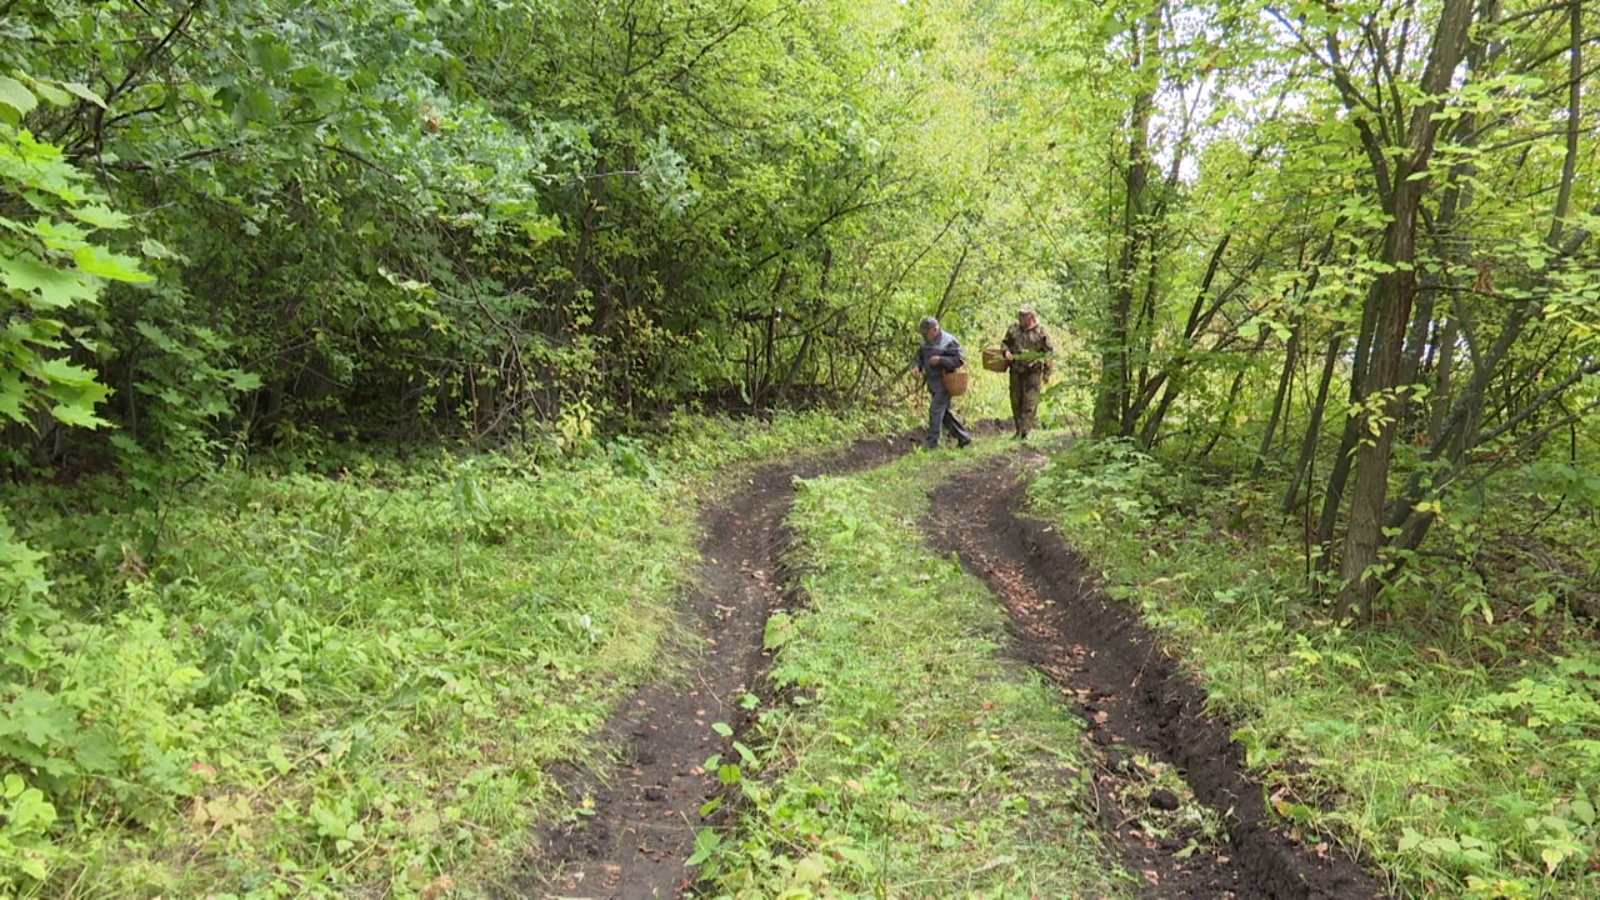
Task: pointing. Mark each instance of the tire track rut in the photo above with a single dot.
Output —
(643, 811)
(1136, 700)
(640, 825)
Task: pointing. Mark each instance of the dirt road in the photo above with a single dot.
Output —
(1145, 716)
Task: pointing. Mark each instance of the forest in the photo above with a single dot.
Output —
(375, 373)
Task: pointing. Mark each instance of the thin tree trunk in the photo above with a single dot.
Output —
(1165, 380)
(1285, 380)
(1319, 407)
(1339, 473)
(1231, 406)
(1442, 375)
(1569, 168)
(1394, 292)
(1112, 397)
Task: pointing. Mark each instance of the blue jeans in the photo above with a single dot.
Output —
(940, 417)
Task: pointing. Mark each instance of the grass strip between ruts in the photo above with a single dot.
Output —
(912, 758)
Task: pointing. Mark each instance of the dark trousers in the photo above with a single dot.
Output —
(940, 417)
(1025, 388)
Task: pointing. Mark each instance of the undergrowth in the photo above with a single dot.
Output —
(276, 683)
(1454, 740)
(909, 760)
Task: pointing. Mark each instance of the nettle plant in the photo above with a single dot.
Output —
(1108, 479)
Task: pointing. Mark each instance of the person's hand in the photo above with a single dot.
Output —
(935, 360)
(1008, 354)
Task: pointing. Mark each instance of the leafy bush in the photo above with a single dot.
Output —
(53, 266)
(1108, 481)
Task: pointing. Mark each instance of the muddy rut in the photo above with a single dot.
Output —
(1137, 703)
(639, 824)
(639, 819)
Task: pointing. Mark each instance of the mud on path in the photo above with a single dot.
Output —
(640, 828)
(1136, 701)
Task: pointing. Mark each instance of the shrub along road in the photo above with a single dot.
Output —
(1175, 804)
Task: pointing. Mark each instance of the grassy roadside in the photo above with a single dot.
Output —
(274, 684)
(1461, 752)
(910, 760)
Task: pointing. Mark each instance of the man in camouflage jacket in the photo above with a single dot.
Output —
(1028, 350)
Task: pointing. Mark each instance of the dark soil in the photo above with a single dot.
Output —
(1138, 706)
(639, 827)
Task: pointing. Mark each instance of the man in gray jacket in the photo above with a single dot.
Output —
(940, 353)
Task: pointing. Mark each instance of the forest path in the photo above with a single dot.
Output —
(1144, 715)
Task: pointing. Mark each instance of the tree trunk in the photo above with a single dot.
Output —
(1339, 474)
(1443, 373)
(1393, 293)
(1112, 398)
(1291, 355)
(1308, 447)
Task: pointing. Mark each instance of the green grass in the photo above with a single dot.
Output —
(1463, 757)
(338, 684)
(271, 684)
(912, 759)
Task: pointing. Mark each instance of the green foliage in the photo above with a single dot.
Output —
(911, 761)
(1109, 482)
(25, 854)
(53, 267)
(351, 682)
(434, 217)
(1457, 749)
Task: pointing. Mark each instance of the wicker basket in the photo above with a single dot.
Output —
(956, 383)
(994, 359)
